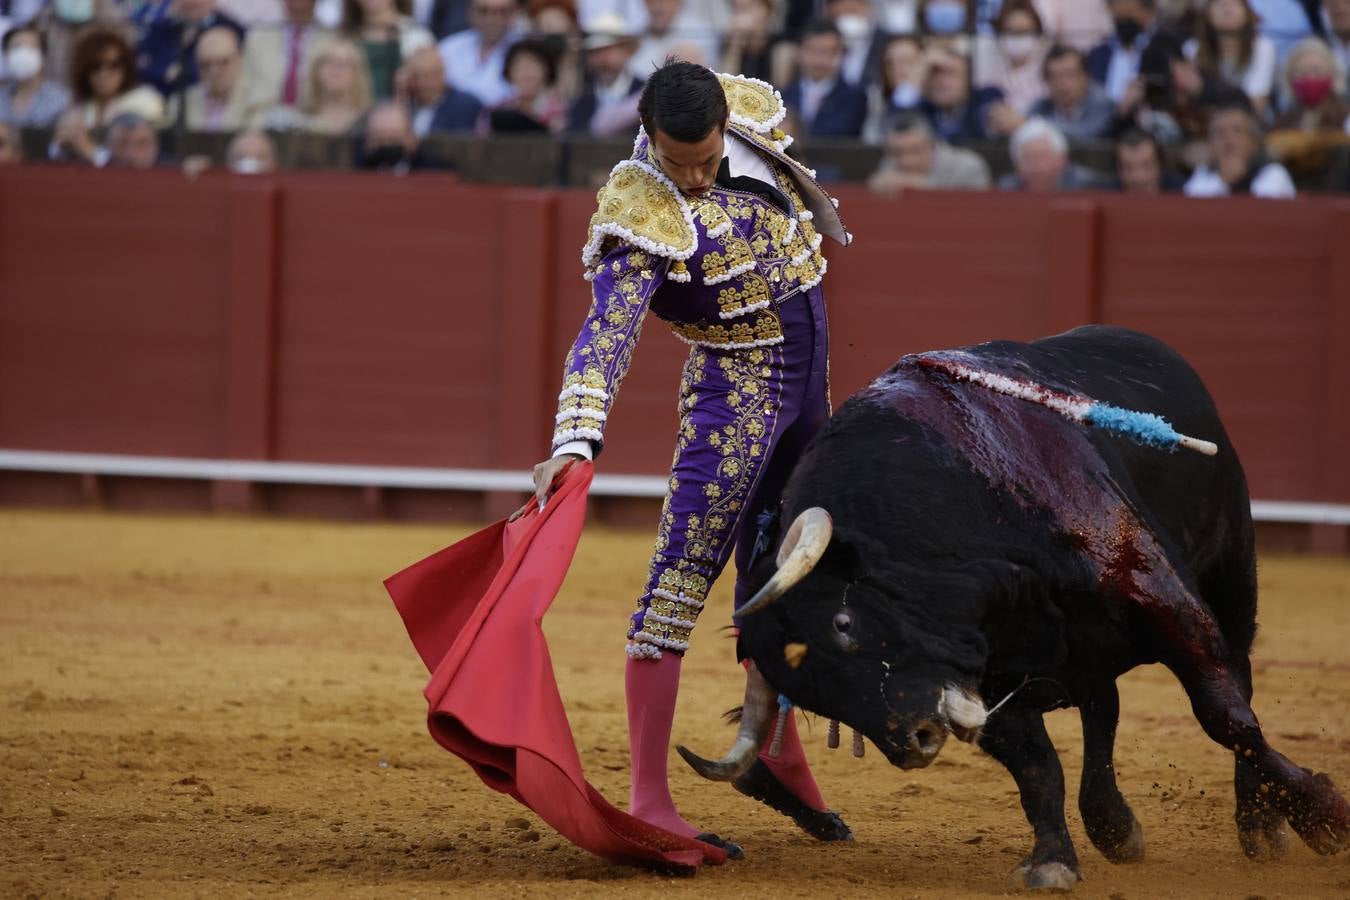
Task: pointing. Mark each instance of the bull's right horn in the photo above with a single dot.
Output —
(756, 715)
(803, 546)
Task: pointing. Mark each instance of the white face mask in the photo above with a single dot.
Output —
(75, 10)
(853, 27)
(1018, 46)
(247, 165)
(23, 62)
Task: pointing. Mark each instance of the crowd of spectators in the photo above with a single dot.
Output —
(1208, 97)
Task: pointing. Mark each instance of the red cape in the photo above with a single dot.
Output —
(473, 611)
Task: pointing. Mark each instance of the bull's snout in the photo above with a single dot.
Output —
(925, 740)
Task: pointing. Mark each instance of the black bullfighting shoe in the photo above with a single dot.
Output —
(761, 784)
(732, 850)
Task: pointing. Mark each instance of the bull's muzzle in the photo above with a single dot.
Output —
(757, 713)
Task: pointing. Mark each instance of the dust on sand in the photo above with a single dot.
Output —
(204, 706)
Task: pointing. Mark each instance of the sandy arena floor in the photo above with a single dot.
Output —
(198, 706)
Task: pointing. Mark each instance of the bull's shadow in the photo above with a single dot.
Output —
(952, 544)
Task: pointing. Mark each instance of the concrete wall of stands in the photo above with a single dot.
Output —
(343, 318)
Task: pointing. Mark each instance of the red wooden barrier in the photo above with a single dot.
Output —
(420, 322)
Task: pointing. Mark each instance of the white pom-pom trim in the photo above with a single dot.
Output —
(790, 233)
(590, 254)
(681, 277)
(731, 345)
(806, 215)
(580, 412)
(643, 651)
(815, 241)
(667, 643)
(564, 435)
(580, 390)
(744, 310)
(803, 256)
(719, 229)
(730, 273)
(835, 202)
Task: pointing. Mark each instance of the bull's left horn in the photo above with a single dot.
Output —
(803, 546)
(756, 716)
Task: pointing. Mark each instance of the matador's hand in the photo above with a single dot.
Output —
(546, 474)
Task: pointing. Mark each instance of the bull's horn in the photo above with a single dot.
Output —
(756, 715)
(803, 546)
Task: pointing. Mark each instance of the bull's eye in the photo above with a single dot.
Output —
(842, 622)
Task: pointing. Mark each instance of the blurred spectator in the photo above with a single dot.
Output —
(1076, 104)
(1336, 27)
(534, 104)
(131, 143)
(389, 144)
(1318, 117)
(1081, 24)
(441, 17)
(28, 99)
(947, 23)
(957, 112)
(276, 59)
(903, 70)
(387, 34)
(11, 151)
(608, 102)
(337, 96)
(251, 153)
(1239, 164)
(170, 29)
(1040, 155)
(825, 102)
(693, 42)
(916, 160)
(1011, 62)
(434, 105)
(1171, 99)
(217, 103)
(1228, 47)
(254, 13)
(475, 59)
(1314, 82)
(863, 39)
(103, 79)
(1140, 168)
(72, 142)
(63, 24)
(555, 23)
(1115, 62)
(750, 48)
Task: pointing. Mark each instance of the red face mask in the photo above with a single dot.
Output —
(1312, 90)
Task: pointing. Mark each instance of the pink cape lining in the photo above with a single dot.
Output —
(473, 611)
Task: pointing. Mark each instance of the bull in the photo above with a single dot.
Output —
(949, 544)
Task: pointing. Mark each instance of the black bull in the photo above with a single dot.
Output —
(983, 546)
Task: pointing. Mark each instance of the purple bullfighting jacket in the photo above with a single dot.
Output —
(715, 268)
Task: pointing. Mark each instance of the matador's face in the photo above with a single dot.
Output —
(691, 165)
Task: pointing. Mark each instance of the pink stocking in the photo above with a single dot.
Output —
(790, 766)
(650, 686)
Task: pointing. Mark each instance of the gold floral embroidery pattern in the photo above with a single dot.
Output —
(752, 295)
(598, 362)
(763, 330)
(720, 265)
(679, 585)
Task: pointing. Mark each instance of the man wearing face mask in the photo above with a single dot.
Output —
(863, 41)
(390, 144)
(28, 100)
(1114, 63)
(712, 227)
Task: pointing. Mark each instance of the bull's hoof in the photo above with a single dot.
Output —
(1050, 876)
(1265, 843)
(731, 849)
(760, 783)
(1323, 818)
(1129, 850)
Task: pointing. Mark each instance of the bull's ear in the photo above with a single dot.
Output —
(846, 555)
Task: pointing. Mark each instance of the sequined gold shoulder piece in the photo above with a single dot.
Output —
(642, 207)
(753, 104)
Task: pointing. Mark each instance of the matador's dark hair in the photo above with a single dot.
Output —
(683, 99)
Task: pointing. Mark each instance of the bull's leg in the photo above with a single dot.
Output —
(1017, 738)
(1110, 824)
(1268, 780)
(1260, 825)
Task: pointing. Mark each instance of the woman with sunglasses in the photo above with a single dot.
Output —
(103, 79)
